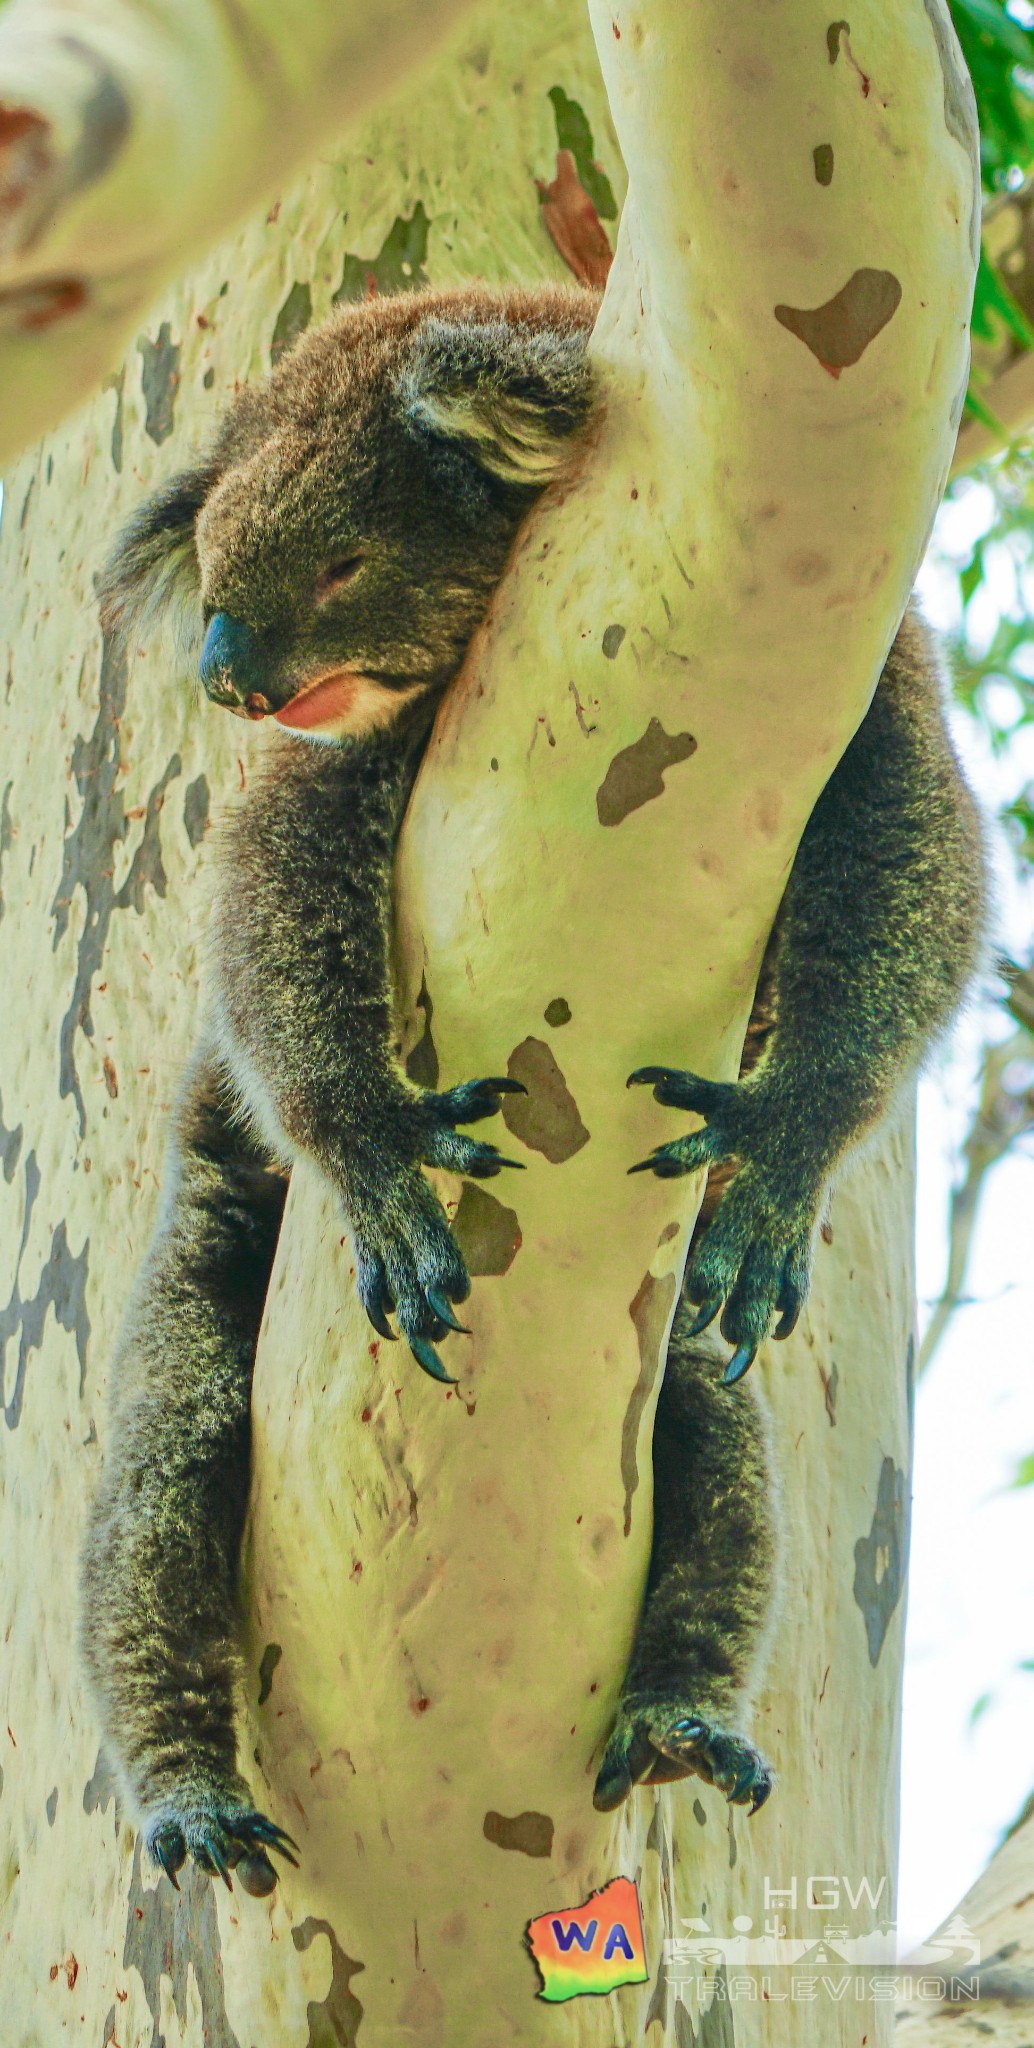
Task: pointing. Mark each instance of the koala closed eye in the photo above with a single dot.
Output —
(334, 577)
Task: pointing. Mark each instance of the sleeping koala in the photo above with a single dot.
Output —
(332, 558)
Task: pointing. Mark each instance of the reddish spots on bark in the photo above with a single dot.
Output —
(573, 223)
(42, 304)
(110, 1076)
(421, 1705)
(617, 31)
(366, 1414)
(356, 1571)
(633, 493)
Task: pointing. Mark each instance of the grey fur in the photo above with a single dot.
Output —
(356, 513)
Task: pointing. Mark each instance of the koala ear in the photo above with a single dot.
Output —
(152, 574)
(514, 397)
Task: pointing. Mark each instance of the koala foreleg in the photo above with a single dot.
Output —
(877, 936)
(159, 1572)
(302, 950)
(709, 1592)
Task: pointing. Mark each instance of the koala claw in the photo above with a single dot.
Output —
(221, 1837)
(427, 1358)
(754, 1260)
(656, 1742)
(443, 1310)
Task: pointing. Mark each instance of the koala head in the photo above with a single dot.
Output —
(330, 558)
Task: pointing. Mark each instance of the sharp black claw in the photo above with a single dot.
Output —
(212, 1849)
(647, 1077)
(520, 1164)
(787, 1322)
(743, 1779)
(427, 1357)
(162, 1855)
(760, 1794)
(265, 1830)
(741, 1361)
(436, 1299)
(379, 1320)
(705, 1315)
(505, 1086)
(645, 1165)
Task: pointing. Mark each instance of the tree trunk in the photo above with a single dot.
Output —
(979, 1967)
(441, 1589)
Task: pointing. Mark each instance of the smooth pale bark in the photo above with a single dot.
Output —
(133, 133)
(981, 1983)
(441, 1589)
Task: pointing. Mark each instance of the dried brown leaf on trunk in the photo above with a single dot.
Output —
(574, 223)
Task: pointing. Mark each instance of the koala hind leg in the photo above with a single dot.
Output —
(159, 1568)
(709, 1592)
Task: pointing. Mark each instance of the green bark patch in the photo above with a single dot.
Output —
(398, 265)
(636, 774)
(879, 1558)
(649, 1310)
(422, 1064)
(117, 384)
(822, 158)
(61, 1287)
(6, 838)
(169, 1936)
(291, 321)
(612, 638)
(557, 1012)
(574, 133)
(488, 1234)
(546, 1119)
(839, 332)
(531, 1834)
(334, 2020)
(159, 380)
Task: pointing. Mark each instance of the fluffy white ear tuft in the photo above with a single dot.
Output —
(515, 397)
(151, 580)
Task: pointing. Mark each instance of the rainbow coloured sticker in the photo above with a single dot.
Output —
(592, 1948)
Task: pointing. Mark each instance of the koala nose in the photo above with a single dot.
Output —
(229, 661)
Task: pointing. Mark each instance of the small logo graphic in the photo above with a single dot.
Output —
(591, 1948)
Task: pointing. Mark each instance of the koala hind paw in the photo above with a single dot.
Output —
(657, 1740)
(219, 1836)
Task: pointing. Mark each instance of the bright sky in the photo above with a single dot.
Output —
(971, 1607)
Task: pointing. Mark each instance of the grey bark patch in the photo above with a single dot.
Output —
(6, 837)
(61, 1287)
(271, 1656)
(10, 1146)
(574, 133)
(658, 2006)
(612, 638)
(104, 123)
(698, 1813)
(488, 1234)
(685, 2031)
(197, 801)
(422, 1065)
(636, 774)
(530, 1834)
(100, 1790)
(159, 381)
(822, 158)
(839, 332)
(398, 265)
(879, 1558)
(117, 384)
(52, 1808)
(557, 1012)
(334, 2020)
(960, 106)
(834, 32)
(649, 1310)
(88, 857)
(291, 321)
(546, 1119)
(716, 2024)
(168, 1935)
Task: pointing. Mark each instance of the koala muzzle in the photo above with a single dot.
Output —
(231, 665)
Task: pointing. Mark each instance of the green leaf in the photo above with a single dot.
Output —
(989, 19)
(1024, 1473)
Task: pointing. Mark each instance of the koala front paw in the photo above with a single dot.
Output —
(658, 1739)
(755, 1259)
(407, 1261)
(220, 1832)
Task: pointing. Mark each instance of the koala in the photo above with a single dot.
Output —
(329, 561)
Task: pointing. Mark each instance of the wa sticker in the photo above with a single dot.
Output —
(591, 1948)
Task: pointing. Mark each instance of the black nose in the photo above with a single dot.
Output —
(229, 662)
